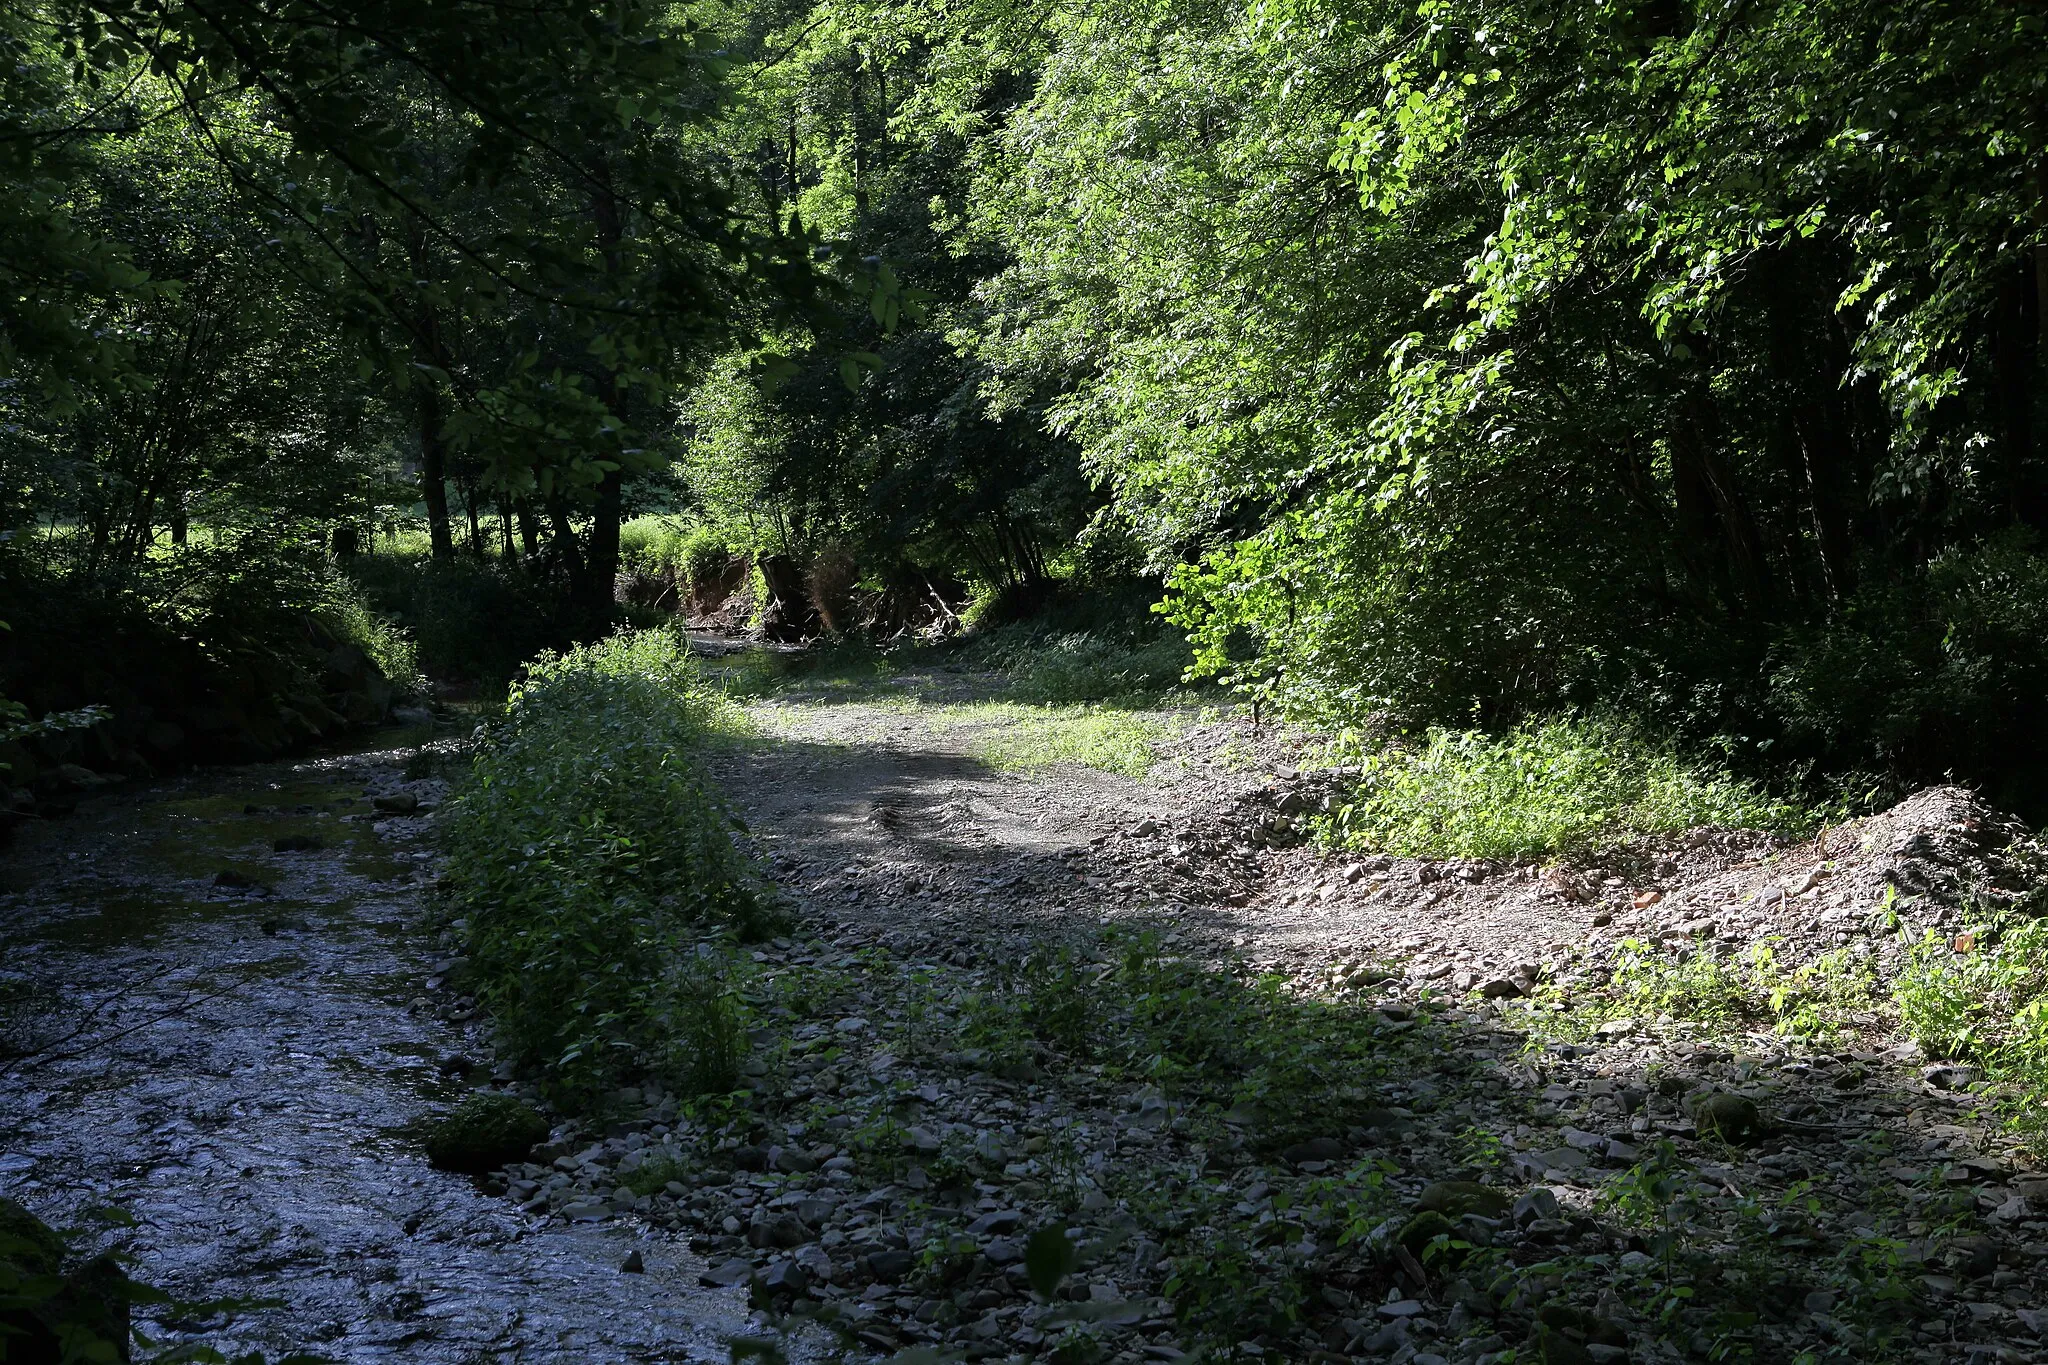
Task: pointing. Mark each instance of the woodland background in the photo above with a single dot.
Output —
(1675, 363)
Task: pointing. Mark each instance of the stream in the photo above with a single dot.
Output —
(234, 1044)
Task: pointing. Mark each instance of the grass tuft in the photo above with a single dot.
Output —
(1031, 739)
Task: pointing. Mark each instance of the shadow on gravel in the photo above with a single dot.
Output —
(1338, 1177)
(943, 847)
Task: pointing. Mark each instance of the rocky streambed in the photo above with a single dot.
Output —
(217, 1018)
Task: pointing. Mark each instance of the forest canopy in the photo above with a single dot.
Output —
(1425, 363)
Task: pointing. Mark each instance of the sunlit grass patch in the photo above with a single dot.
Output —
(1558, 786)
(1031, 739)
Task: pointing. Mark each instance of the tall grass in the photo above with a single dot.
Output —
(668, 545)
(1558, 786)
(592, 859)
(348, 613)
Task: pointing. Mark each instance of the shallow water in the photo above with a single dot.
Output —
(243, 1070)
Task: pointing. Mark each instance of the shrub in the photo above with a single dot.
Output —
(590, 855)
(228, 646)
(1556, 786)
(1093, 643)
(1935, 671)
(648, 543)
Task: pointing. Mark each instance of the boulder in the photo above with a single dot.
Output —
(1315, 1149)
(1456, 1198)
(1564, 1335)
(484, 1132)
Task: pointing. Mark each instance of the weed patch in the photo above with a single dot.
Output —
(1082, 668)
(1814, 1000)
(1982, 996)
(1561, 786)
(1291, 1066)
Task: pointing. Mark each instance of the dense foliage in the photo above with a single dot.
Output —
(1463, 364)
(1557, 787)
(1453, 362)
(590, 859)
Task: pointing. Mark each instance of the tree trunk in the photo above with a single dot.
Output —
(529, 528)
(434, 472)
(428, 349)
(1811, 357)
(596, 602)
(1698, 426)
(476, 530)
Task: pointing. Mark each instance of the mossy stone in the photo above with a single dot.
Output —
(1732, 1118)
(1418, 1232)
(1563, 1334)
(1456, 1198)
(485, 1132)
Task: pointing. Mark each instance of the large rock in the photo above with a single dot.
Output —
(1456, 1198)
(1732, 1118)
(485, 1132)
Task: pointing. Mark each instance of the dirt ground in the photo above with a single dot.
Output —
(880, 811)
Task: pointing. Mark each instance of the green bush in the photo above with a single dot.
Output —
(228, 642)
(1550, 787)
(591, 857)
(702, 551)
(688, 550)
(1083, 667)
(1095, 642)
(647, 543)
